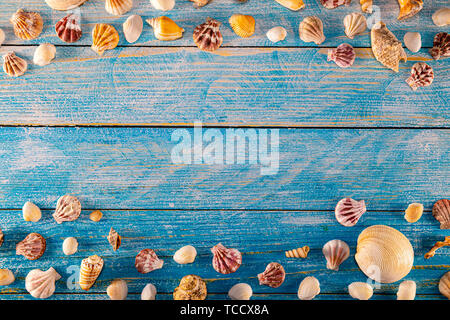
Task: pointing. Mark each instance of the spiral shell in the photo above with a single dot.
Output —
(68, 208)
(348, 211)
(117, 290)
(64, 5)
(437, 245)
(331, 4)
(191, 287)
(104, 37)
(240, 291)
(276, 34)
(311, 30)
(44, 54)
(441, 212)
(414, 212)
(384, 254)
(344, 56)
(441, 46)
(132, 28)
(441, 17)
(413, 41)
(6, 277)
(118, 7)
(242, 25)
(360, 290)
(165, 29)
(114, 239)
(163, 5)
(149, 292)
(273, 276)
(409, 8)
(41, 284)
(366, 6)
(207, 36)
(185, 255)
(355, 23)
(309, 288)
(406, 290)
(298, 253)
(27, 25)
(335, 252)
(225, 260)
(90, 269)
(31, 212)
(32, 247)
(13, 65)
(422, 75)
(444, 285)
(147, 261)
(385, 47)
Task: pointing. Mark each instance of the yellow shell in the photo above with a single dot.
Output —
(104, 37)
(414, 212)
(13, 65)
(89, 271)
(191, 287)
(118, 7)
(292, 4)
(366, 6)
(242, 25)
(27, 25)
(165, 29)
(444, 285)
(384, 254)
(409, 8)
(298, 253)
(64, 5)
(406, 290)
(385, 46)
(311, 30)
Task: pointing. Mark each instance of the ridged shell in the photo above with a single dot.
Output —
(147, 261)
(185, 255)
(309, 288)
(385, 47)
(355, 23)
(344, 56)
(366, 6)
(331, 4)
(311, 30)
(90, 269)
(165, 29)
(104, 37)
(117, 290)
(273, 276)
(360, 290)
(441, 17)
(413, 41)
(294, 5)
(27, 25)
(114, 239)
(32, 247)
(163, 5)
(409, 8)
(242, 25)
(348, 211)
(118, 7)
(207, 36)
(406, 290)
(240, 291)
(276, 34)
(64, 5)
(441, 212)
(132, 28)
(200, 3)
(44, 54)
(149, 292)
(335, 252)
(13, 65)
(441, 46)
(298, 253)
(2, 237)
(384, 254)
(191, 287)
(414, 212)
(437, 245)
(444, 285)
(225, 260)
(422, 75)
(68, 208)
(6, 277)
(41, 284)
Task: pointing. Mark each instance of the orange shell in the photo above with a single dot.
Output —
(27, 25)
(104, 37)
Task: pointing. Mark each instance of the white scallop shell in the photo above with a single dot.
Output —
(336, 252)
(240, 291)
(41, 284)
(406, 290)
(360, 290)
(355, 23)
(311, 30)
(149, 292)
(308, 289)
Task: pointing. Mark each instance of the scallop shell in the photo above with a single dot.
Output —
(191, 287)
(70, 246)
(441, 212)
(242, 25)
(437, 245)
(348, 211)
(27, 25)
(6, 277)
(240, 291)
(273, 276)
(200, 3)
(406, 290)
(165, 29)
(114, 239)
(444, 285)
(360, 290)
(117, 290)
(118, 7)
(32, 247)
(185, 255)
(311, 30)
(64, 5)
(41, 284)
(355, 23)
(132, 28)
(309, 288)
(2, 237)
(294, 5)
(422, 75)
(104, 37)
(441, 46)
(96, 215)
(366, 6)
(44, 54)
(413, 41)
(331, 4)
(298, 253)
(207, 35)
(31, 212)
(384, 254)
(414, 212)
(409, 8)
(163, 5)
(149, 292)
(385, 47)
(68, 208)
(13, 65)
(335, 252)
(276, 34)
(90, 269)
(344, 55)
(147, 261)
(441, 17)
(225, 260)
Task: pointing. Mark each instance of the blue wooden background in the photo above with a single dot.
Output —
(100, 128)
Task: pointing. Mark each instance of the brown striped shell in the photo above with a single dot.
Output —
(90, 269)
(191, 287)
(335, 252)
(273, 276)
(441, 46)
(114, 239)
(27, 25)
(13, 65)
(207, 35)
(32, 247)
(68, 28)
(344, 55)
(348, 211)
(441, 212)
(104, 37)
(226, 260)
(68, 208)
(146, 261)
(422, 75)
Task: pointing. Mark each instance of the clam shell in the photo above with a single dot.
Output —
(132, 28)
(437, 245)
(96, 215)
(422, 75)
(2, 36)
(331, 4)
(118, 7)
(104, 37)
(344, 56)
(27, 25)
(441, 17)
(149, 292)
(165, 29)
(444, 285)
(414, 211)
(90, 269)
(240, 291)
(413, 41)
(185, 255)
(70, 246)
(406, 290)
(68, 208)
(384, 254)
(13, 65)
(117, 290)
(309, 288)
(225, 260)
(6, 277)
(114, 239)
(207, 36)
(348, 211)
(335, 252)
(355, 23)
(273, 276)
(64, 5)
(32, 247)
(294, 5)
(441, 212)
(200, 3)
(41, 284)
(311, 30)
(385, 47)
(31, 212)
(163, 5)
(191, 287)
(366, 6)
(276, 34)
(44, 54)
(409, 8)
(360, 290)
(298, 253)
(242, 25)
(147, 261)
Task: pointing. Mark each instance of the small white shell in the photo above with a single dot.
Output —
(441, 17)
(406, 290)
(2, 37)
(149, 292)
(413, 41)
(240, 291)
(6, 277)
(70, 246)
(44, 54)
(360, 290)
(185, 255)
(132, 28)
(308, 289)
(117, 290)
(163, 5)
(276, 34)
(31, 212)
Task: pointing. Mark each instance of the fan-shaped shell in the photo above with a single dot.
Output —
(68, 28)
(104, 37)
(422, 75)
(355, 23)
(68, 208)
(117, 290)
(64, 5)
(409, 8)
(240, 291)
(273, 276)
(331, 4)
(118, 7)
(13, 65)
(41, 284)
(441, 17)
(441, 212)
(243, 25)
(441, 46)
(406, 290)
(366, 6)
(444, 285)
(360, 290)
(385, 47)
(191, 287)
(311, 30)
(335, 252)
(147, 261)
(293, 5)
(90, 269)
(225, 260)
(348, 211)
(298, 253)
(27, 25)
(6, 277)
(32, 247)
(384, 254)
(207, 36)
(114, 239)
(344, 56)
(165, 29)
(309, 288)
(132, 28)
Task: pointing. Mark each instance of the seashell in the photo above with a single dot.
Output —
(294, 5)
(163, 5)
(344, 56)
(1, 237)
(70, 246)
(414, 212)
(441, 212)
(207, 35)
(200, 3)
(336, 252)
(149, 292)
(441, 17)
(437, 245)
(298, 253)
(441, 46)
(273, 276)
(444, 285)
(308, 289)
(276, 34)
(360, 290)
(406, 290)
(355, 23)
(64, 5)
(242, 25)
(132, 28)
(348, 211)
(31, 212)
(311, 30)
(384, 254)
(90, 269)
(117, 290)
(409, 8)
(32, 247)
(147, 261)
(331, 4)
(6, 277)
(422, 75)
(68, 208)
(68, 28)
(104, 37)
(225, 260)
(413, 41)
(191, 287)
(366, 6)
(96, 215)
(2, 36)
(240, 291)
(165, 29)
(385, 47)
(185, 255)
(114, 239)
(44, 54)
(41, 284)
(27, 25)
(118, 7)
(13, 65)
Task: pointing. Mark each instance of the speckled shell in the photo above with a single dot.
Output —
(68, 208)
(273, 276)
(441, 17)
(27, 25)
(441, 46)
(422, 75)
(13, 65)
(32, 247)
(2, 237)
(225, 260)
(6, 277)
(114, 239)
(385, 47)
(331, 4)
(355, 23)
(293, 5)
(414, 212)
(191, 287)
(200, 3)
(409, 8)
(437, 245)
(441, 212)
(207, 36)
(406, 290)
(360, 290)
(117, 290)
(242, 25)
(240, 291)
(64, 5)
(311, 30)
(118, 7)
(90, 269)
(309, 288)
(344, 56)
(335, 252)
(165, 29)
(348, 211)
(384, 254)
(298, 253)
(444, 285)
(104, 37)
(147, 261)
(41, 284)
(366, 6)
(68, 28)
(132, 28)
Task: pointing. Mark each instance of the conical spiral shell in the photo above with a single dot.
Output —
(406, 290)
(68, 28)
(273, 276)
(293, 5)
(90, 269)
(344, 56)
(298, 253)
(311, 30)
(68, 208)
(225, 260)
(41, 284)
(242, 25)
(191, 287)
(422, 75)
(207, 36)
(309, 288)
(335, 252)
(32, 247)
(104, 37)
(409, 8)
(441, 212)
(13, 65)
(147, 261)
(360, 290)
(444, 285)
(114, 239)
(165, 29)
(348, 211)
(27, 25)
(355, 23)
(366, 6)
(118, 7)
(384, 254)
(385, 47)
(64, 5)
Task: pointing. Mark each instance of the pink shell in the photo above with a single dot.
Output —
(273, 276)
(336, 252)
(344, 55)
(68, 28)
(32, 247)
(348, 211)
(441, 212)
(441, 46)
(68, 208)
(331, 4)
(422, 75)
(226, 260)
(147, 261)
